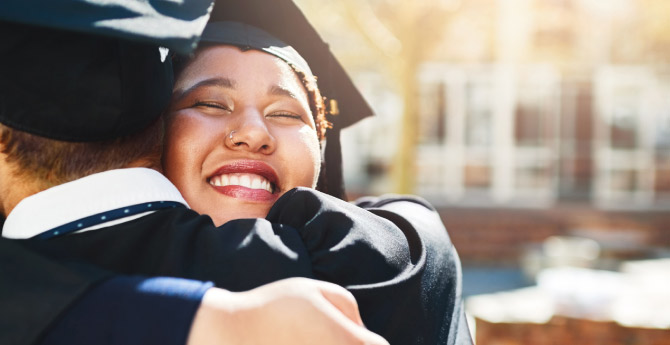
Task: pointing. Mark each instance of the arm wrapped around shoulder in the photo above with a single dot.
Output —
(393, 253)
(347, 244)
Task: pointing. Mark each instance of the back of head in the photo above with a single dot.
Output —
(75, 104)
(82, 91)
(48, 162)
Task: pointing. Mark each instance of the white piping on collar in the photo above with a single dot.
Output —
(87, 196)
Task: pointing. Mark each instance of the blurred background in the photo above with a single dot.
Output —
(540, 129)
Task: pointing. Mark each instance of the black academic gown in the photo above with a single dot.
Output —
(393, 254)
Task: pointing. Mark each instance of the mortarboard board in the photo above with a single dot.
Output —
(286, 22)
(91, 70)
(172, 24)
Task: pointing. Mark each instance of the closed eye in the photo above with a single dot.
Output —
(286, 115)
(210, 105)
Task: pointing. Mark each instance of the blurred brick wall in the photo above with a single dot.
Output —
(488, 236)
(562, 330)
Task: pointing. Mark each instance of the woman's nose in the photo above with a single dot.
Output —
(249, 132)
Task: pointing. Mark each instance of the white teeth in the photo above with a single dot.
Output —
(245, 181)
(251, 181)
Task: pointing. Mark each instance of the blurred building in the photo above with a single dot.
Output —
(543, 133)
(546, 107)
(537, 118)
(543, 125)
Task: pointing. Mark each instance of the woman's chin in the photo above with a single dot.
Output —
(220, 218)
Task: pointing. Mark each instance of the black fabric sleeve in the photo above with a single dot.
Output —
(440, 271)
(346, 244)
(34, 290)
(395, 257)
(393, 254)
(41, 280)
(238, 256)
(131, 311)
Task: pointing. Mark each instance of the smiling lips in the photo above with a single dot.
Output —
(250, 180)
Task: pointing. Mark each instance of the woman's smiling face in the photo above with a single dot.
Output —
(273, 148)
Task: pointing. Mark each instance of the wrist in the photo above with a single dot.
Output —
(214, 322)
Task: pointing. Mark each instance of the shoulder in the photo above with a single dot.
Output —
(411, 211)
(392, 199)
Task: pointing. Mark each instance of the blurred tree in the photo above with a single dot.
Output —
(402, 34)
(655, 26)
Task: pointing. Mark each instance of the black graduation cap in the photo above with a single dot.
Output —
(173, 24)
(91, 70)
(284, 20)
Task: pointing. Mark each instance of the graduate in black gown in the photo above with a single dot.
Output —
(71, 185)
(393, 254)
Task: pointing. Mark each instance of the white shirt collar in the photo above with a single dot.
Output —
(87, 196)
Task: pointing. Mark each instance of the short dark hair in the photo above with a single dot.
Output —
(316, 103)
(53, 162)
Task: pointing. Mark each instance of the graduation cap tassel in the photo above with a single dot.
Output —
(334, 176)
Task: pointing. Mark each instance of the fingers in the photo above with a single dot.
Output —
(278, 313)
(341, 305)
(338, 312)
(341, 299)
(355, 333)
(370, 338)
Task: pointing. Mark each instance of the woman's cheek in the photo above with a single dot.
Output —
(305, 157)
(315, 153)
(182, 154)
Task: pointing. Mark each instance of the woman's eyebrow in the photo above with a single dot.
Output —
(178, 94)
(279, 90)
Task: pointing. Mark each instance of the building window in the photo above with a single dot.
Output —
(535, 133)
(662, 180)
(623, 119)
(433, 113)
(532, 126)
(632, 151)
(478, 130)
(576, 140)
(477, 176)
(623, 180)
(478, 166)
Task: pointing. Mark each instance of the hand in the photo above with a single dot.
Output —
(292, 311)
